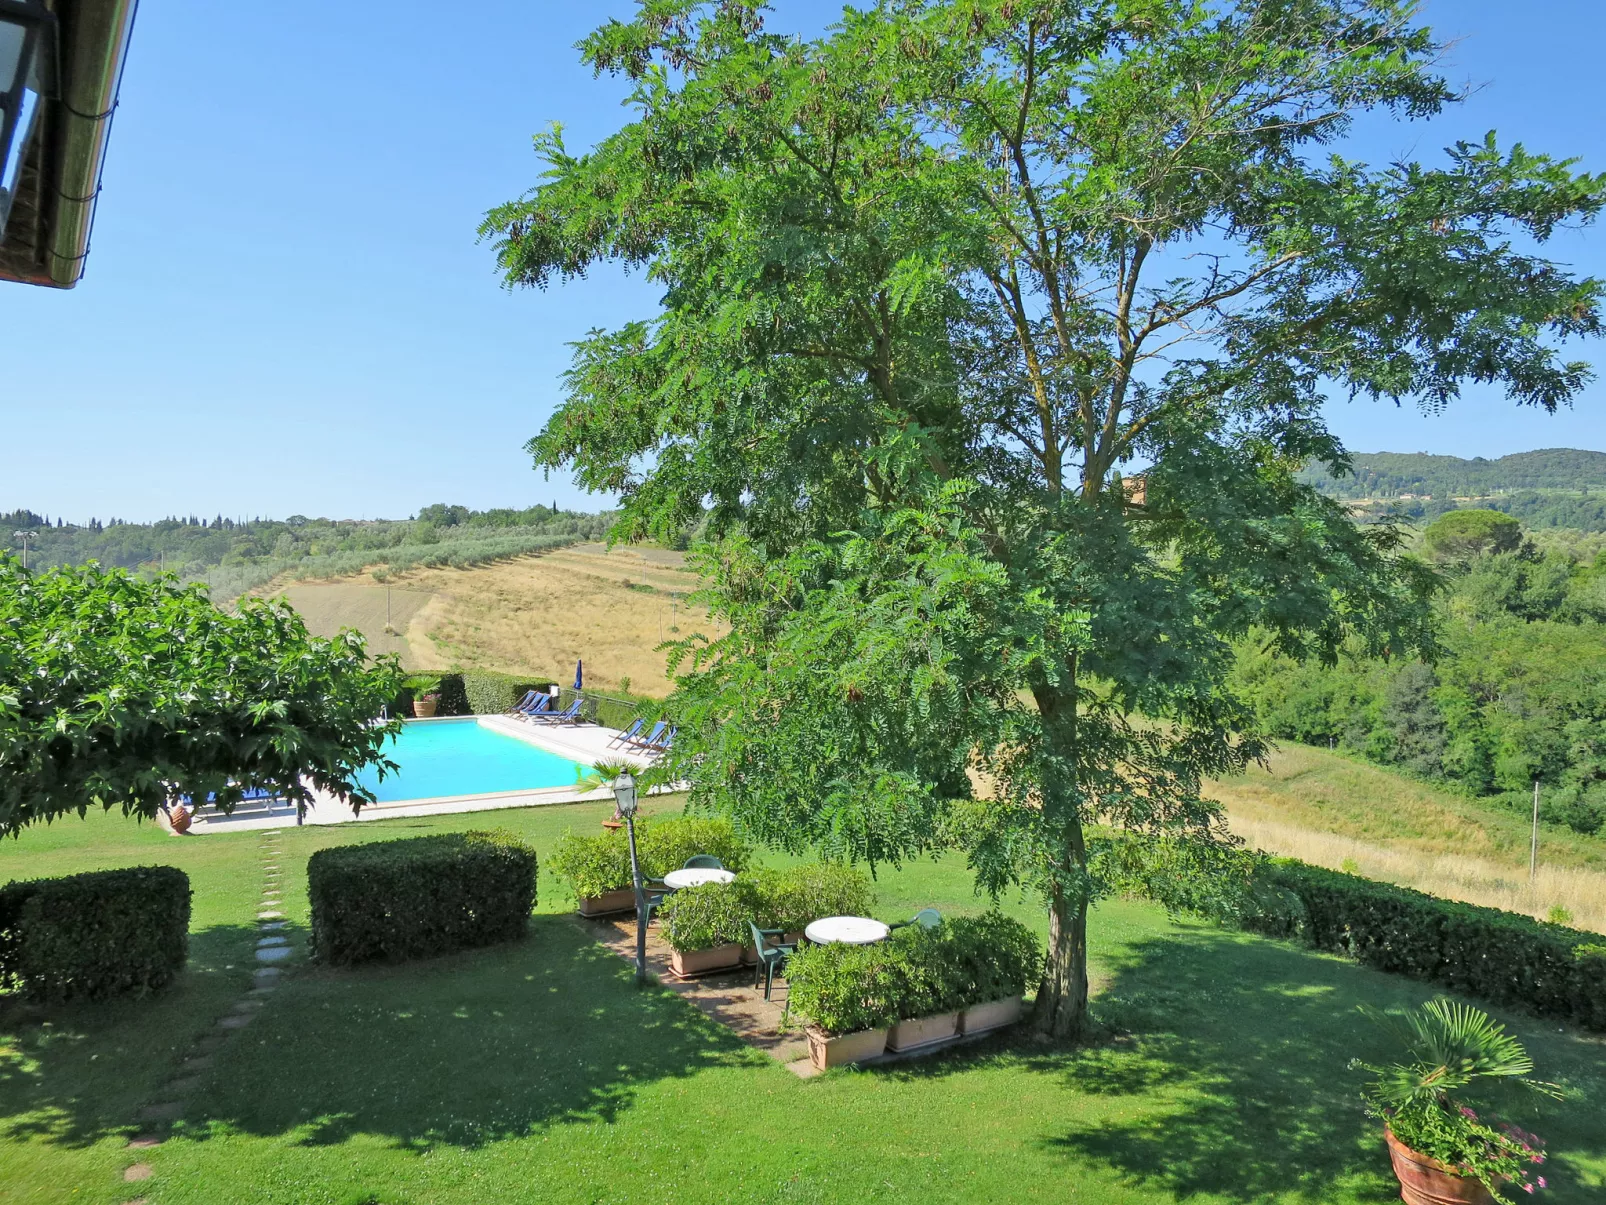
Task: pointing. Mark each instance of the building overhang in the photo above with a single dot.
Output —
(45, 238)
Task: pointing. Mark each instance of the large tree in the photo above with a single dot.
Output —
(122, 693)
(994, 333)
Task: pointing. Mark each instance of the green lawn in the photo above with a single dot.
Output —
(537, 1072)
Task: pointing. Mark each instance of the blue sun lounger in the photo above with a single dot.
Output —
(648, 742)
(571, 715)
(628, 736)
(534, 705)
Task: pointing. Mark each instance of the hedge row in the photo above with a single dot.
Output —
(94, 935)
(1500, 956)
(473, 692)
(420, 896)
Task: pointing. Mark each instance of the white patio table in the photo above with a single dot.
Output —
(850, 930)
(675, 880)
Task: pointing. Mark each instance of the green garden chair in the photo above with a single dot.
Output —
(926, 918)
(772, 955)
(703, 862)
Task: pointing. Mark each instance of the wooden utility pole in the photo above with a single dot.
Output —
(1533, 843)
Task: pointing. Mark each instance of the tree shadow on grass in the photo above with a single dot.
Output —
(73, 1073)
(462, 1050)
(1229, 1075)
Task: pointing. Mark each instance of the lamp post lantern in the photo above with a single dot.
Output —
(25, 29)
(624, 795)
(22, 538)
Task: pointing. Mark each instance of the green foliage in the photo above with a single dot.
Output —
(234, 556)
(420, 896)
(1460, 535)
(422, 686)
(917, 972)
(1483, 952)
(1390, 474)
(1450, 1048)
(595, 865)
(927, 293)
(700, 918)
(716, 913)
(844, 988)
(116, 692)
(1216, 880)
(94, 935)
(489, 693)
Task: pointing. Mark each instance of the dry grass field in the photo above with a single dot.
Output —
(530, 615)
(1329, 810)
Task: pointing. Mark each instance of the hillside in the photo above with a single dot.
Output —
(530, 615)
(1421, 475)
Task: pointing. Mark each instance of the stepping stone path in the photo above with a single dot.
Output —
(271, 947)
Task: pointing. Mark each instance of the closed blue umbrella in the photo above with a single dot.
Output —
(579, 675)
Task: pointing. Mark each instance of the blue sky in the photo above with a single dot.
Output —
(286, 309)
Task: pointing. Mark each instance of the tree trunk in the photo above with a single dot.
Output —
(1062, 996)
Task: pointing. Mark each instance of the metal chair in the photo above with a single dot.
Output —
(771, 957)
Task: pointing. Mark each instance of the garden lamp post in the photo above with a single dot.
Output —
(24, 28)
(22, 538)
(624, 794)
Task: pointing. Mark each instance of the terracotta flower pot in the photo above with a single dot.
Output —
(1426, 1181)
(622, 899)
(180, 817)
(995, 1014)
(922, 1031)
(424, 708)
(827, 1051)
(705, 962)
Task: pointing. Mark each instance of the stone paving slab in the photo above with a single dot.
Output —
(727, 997)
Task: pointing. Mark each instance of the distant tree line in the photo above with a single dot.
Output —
(193, 546)
(1392, 474)
(1518, 693)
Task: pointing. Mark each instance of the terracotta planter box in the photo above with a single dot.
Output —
(705, 962)
(622, 899)
(1426, 1181)
(995, 1014)
(423, 708)
(922, 1031)
(827, 1052)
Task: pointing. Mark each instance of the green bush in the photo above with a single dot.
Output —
(1499, 956)
(789, 899)
(918, 972)
(700, 918)
(489, 693)
(94, 935)
(843, 988)
(419, 896)
(595, 865)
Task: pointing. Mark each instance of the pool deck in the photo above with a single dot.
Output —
(584, 743)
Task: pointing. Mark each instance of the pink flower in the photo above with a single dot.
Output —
(1528, 1188)
(1542, 1183)
(1466, 1112)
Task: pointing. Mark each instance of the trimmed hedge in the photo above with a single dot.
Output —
(474, 692)
(94, 935)
(1486, 952)
(420, 896)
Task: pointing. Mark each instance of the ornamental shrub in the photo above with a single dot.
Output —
(999, 956)
(843, 988)
(420, 896)
(789, 899)
(596, 865)
(489, 693)
(94, 935)
(701, 918)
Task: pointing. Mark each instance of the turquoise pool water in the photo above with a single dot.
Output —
(458, 757)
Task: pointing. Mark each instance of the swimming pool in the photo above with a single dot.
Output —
(459, 757)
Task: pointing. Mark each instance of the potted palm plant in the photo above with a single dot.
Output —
(426, 695)
(1443, 1151)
